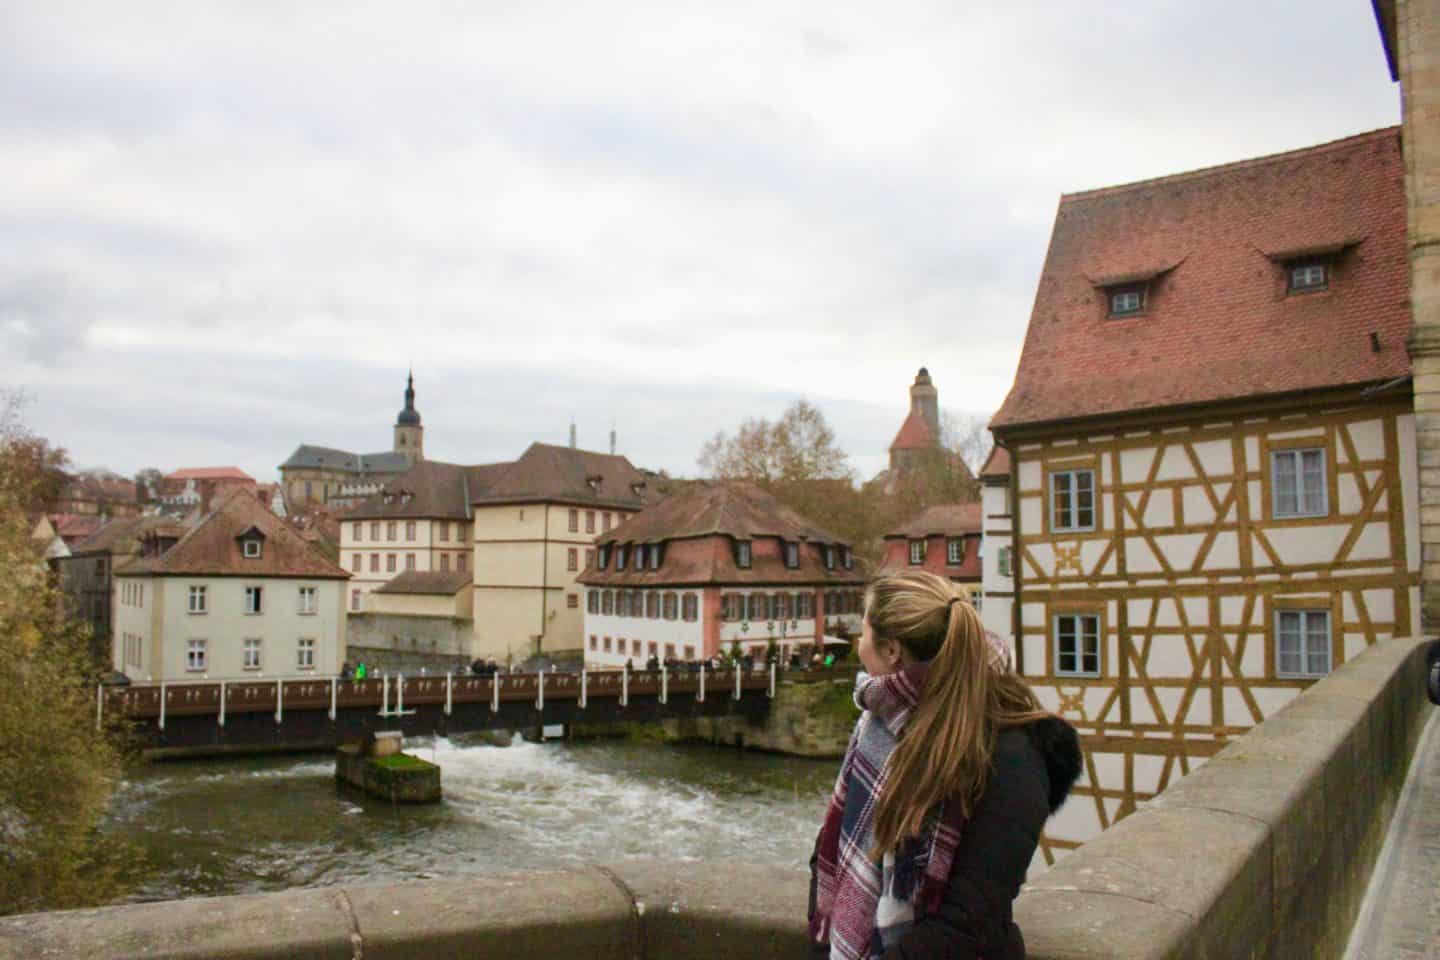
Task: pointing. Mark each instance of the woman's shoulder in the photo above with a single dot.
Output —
(1048, 744)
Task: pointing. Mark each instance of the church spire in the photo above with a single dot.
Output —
(409, 434)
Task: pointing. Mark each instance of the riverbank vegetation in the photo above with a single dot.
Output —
(57, 770)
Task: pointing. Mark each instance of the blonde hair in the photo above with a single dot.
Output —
(970, 694)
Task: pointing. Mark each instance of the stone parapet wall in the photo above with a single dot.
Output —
(1264, 852)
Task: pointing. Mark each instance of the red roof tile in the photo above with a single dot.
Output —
(997, 465)
(74, 527)
(209, 473)
(942, 519)
(212, 547)
(1218, 324)
(915, 434)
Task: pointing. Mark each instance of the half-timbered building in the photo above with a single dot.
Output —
(1212, 457)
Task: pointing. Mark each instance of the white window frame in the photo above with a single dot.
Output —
(1004, 558)
(955, 551)
(305, 653)
(1305, 634)
(1305, 277)
(792, 554)
(196, 655)
(253, 604)
(1073, 524)
(1304, 507)
(655, 556)
(252, 653)
(917, 552)
(252, 549)
(829, 558)
(198, 593)
(743, 555)
(309, 599)
(1126, 303)
(1080, 634)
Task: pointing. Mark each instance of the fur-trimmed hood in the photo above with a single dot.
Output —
(1059, 744)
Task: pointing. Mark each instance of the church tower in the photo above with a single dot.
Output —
(409, 434)
(925, 400)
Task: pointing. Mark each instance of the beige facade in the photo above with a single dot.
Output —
(377, 551)
(300, 628)
(1191, 573)
(457, 605)
(527, 557)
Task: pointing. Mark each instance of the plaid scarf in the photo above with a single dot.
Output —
(862, 907)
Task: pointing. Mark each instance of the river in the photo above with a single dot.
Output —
(246, 825)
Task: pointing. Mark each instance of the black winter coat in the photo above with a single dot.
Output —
(1034, 768)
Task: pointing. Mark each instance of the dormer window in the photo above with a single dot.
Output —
(792, 554)
(1127, 301)
(252, 549)
(604, 557)
(742, 554)
(593, 481)
(847, 559)
(251, 542)
(1309, 276)
(638, 488)
(620, 552)
(640, 551)
(829, 558)
(655, 556)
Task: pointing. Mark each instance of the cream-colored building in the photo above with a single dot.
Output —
(1213, 457)
(239, 596)
(997, 554)
(523, 531)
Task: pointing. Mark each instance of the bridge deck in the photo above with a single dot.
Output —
(1400, 919)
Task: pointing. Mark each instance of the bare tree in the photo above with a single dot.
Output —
(968, 435)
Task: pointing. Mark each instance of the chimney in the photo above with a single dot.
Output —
(572, 433)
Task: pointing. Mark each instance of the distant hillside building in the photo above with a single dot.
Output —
(943, 540)
(316, 475)
(721, 564)
(918, 446)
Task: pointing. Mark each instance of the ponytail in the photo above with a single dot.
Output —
(945, 751)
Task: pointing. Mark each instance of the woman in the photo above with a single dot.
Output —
(951, 773)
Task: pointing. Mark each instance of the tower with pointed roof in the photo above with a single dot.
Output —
(409, 434)
(920, 433)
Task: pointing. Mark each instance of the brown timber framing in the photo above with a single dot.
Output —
(1240, 586)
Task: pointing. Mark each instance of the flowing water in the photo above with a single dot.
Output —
(218, 827)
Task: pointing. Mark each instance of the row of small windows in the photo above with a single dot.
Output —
(649, 556)
(1302, 644)
(130, 649)
(1309, 276)
(1298, 489)
(357, 562)
(132, 594)
(954, 551)
(253, 600)
(647, 603)
(607, 520)
(392, 530)
(635, 648)
(197, 654)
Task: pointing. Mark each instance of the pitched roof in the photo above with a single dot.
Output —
(209, 473)
(212, 547)
(997, 465)
(430, 489)
(313, 457)
(549, 473)
(1219, 325)
(124, 534)
(915, 434)
(734, 509)
(75, 527)
(434, 582)
(942, 520)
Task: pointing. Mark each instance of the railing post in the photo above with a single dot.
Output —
(399, 694)
(384, 695)
(447, 692)
(494, 693)
(99, 705)
(772, 680)
(540, 698)
(162, 704)
(584, 678)
(664, 684)
(279, 700)
(737, 681)
(700, 695)
(222, 703)
(625, 686)
(334, 683)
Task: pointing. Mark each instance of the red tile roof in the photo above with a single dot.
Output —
(445, 583)
(562, 474)
(915, 434)
(212, 547)
(997, 465)
(209, 473)
(942, 519)
(74, 527)
(735, 509)
(1218, 324)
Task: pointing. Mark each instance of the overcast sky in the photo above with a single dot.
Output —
(226, 229)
